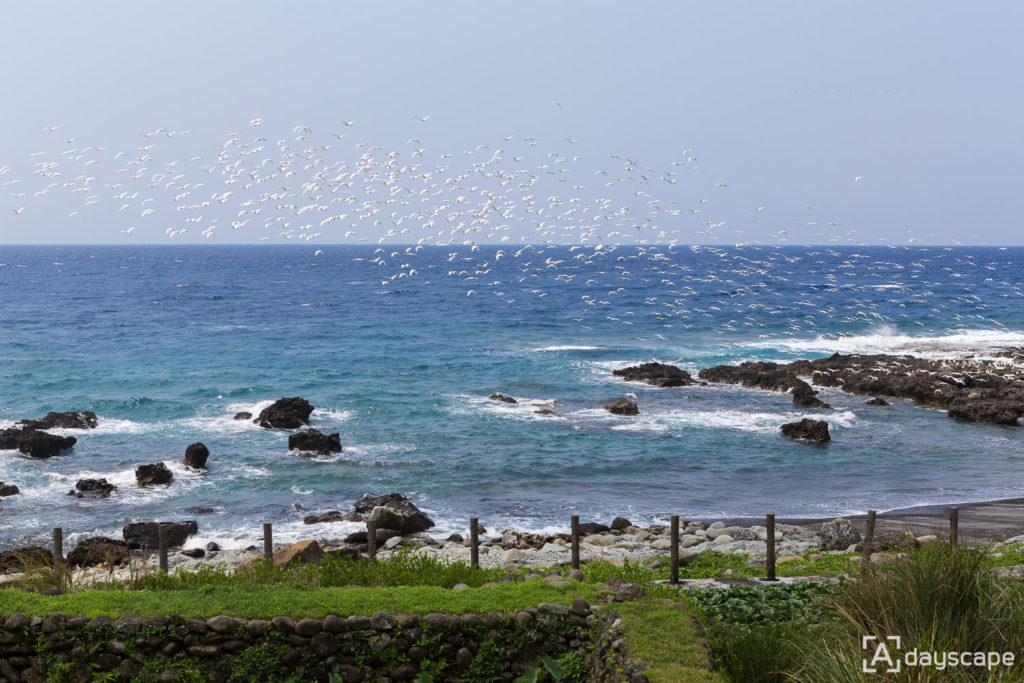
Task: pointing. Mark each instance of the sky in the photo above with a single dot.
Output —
(446, 122)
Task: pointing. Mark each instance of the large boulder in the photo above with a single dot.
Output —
(244, 415)
(150, 475)
(7, 489)
(303, 552)
(27, 557)
(99, 550)
(622, 407)
(811, 430)
(196, 455)
(333, 516)
(36, 444)
(839, 534)
(382, 536)
(83, 419)
(92, 488)
(657, 374)
(314, 441)
(285, 413)
(398, 511)
(145, 535)
(804, 395)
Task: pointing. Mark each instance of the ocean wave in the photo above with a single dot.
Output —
(887, 340)
(523, 409)
(674, 422)
(568, 347)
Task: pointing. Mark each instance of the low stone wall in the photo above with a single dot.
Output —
(466, 647)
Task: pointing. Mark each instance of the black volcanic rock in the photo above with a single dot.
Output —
(98, 550)
(7, 489)
(145, 535)
(622, 407)
(92, 488)
(314, 441)
(503, 398)
(876, 402)
(156, 473)
(196, 455)
(656, 374)
(243, 415)
(84, 419)
(811, 430)
(36, 444)
(398, 513)
(10, 438)
(285, 413)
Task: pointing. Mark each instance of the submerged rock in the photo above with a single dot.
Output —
(36, 444)
(876, 402)
(622, 407)
(503, 398)
(656, 374)
(285, 413)
(243, 415)
(7, 489)
(811, 430)
(313, 441)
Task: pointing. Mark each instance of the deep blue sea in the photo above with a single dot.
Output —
(398, 349)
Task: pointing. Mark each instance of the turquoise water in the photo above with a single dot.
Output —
(166, 344)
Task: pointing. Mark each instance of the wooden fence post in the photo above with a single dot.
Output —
(58, 547)
(268, 543)
(770, 539)
(869, 536)
(674, 551)
(474, 542)
(954, 524)
(371, 540)
(161, 544)
(574, 534)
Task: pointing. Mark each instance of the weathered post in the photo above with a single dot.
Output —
(770, 539)
(674, 551)
(371, 539)
(58, 547)
(268, 544)
(869, 536)
(954, 524)
(161, 544)
(574, 533)
(474, 542)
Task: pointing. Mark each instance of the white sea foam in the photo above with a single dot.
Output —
(978, 343)
(568, 347)
(329, 415)
(736, 420)
(523, 409)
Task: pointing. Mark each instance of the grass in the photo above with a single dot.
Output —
(267, 601)
(665, 636)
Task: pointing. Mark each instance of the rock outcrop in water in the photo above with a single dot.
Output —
(656, 374)
(969, 390)
(622, 407)
(811, 430)
(145, 535)
(196, 455)
(7, 489)
(768, 376)
(285, 413)
(314, 441)
(83, 419)
(151, 475)
(503, 398)
(37, 444)
(92, 488)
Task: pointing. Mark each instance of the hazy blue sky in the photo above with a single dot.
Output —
(784, 103)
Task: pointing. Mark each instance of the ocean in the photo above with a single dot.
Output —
(398, 349)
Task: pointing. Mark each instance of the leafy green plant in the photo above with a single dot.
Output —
(486, 664)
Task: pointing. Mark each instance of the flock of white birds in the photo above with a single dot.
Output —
(539, 204)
